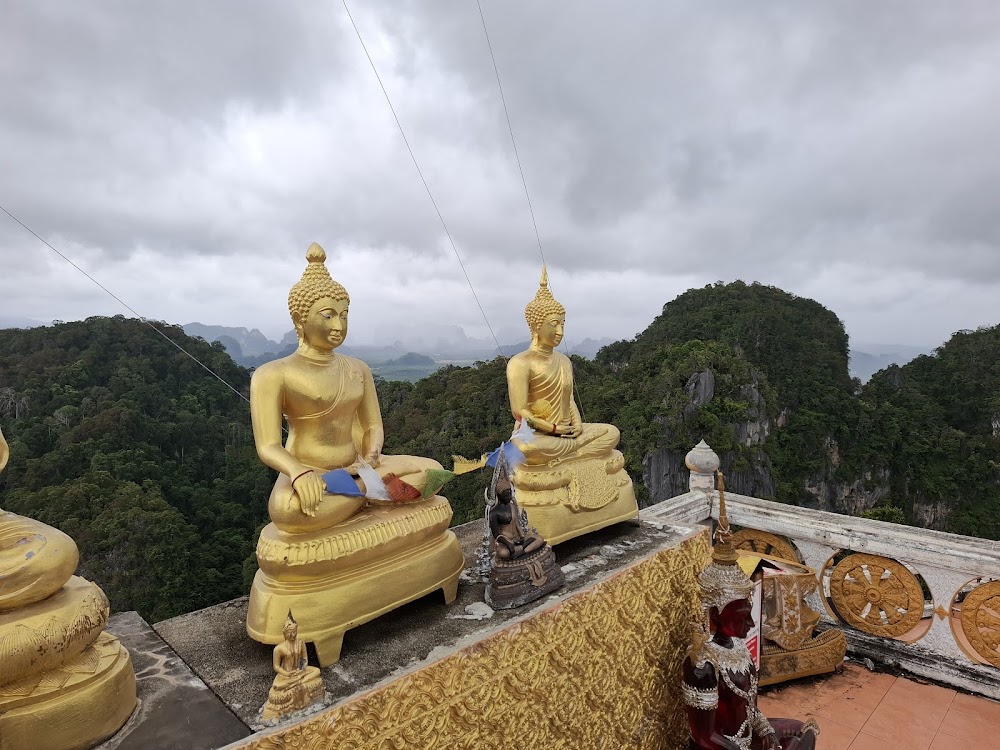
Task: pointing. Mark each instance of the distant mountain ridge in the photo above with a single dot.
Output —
(441, 345)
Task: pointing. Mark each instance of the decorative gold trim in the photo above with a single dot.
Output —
(981, 621)
(876, 595)
(765, 543)
(601, 669)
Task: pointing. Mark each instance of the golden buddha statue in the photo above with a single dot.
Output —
(64, 683)
(573, 480)
(296, 685)
(336, 560)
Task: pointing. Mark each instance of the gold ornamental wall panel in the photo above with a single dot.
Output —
(599, 670)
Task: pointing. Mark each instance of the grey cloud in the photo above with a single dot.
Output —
(776, 141)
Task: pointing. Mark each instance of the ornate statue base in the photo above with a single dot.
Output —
(575, 496)
(513, 583)
(789, 649)
(288, 695)
(819, 655)
(334, 580)
(67, 684)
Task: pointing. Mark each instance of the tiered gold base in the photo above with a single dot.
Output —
(819, 655)
(75, 706)
(334, 581)
(576, 497)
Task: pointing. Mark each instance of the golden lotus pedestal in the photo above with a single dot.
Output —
(339, 578)
(575, 497)
(73, 685)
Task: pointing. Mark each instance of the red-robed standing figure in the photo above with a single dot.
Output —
(720, 680)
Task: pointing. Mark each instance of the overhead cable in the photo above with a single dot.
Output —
(430, 195)
(124, 304)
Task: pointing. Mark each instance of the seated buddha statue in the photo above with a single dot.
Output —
(336, 560)
(296, 685)
(573, 479)
(56, 660)
(522, 566)
(720, 680)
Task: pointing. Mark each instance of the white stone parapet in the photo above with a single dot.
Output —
(948, 564)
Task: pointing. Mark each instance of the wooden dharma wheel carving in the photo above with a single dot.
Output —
(764, 543)
(876, 594)
(981, 621)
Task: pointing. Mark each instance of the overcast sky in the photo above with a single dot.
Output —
(186, 154)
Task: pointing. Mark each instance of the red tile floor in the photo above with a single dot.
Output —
(862, 710)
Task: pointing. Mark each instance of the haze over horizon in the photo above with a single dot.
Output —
(186, 158)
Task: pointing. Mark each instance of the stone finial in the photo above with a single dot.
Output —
(703, 462)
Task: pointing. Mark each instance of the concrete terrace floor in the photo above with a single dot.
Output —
(862, 710)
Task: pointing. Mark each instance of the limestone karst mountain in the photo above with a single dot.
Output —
(141, 455)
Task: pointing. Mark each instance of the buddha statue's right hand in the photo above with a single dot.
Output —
(310, 487)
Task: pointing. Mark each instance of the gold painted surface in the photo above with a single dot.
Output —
(331, 559)
(981, 621)
(35, 559)
(599, 670)
(64, 684)
(788, 623)
(764, 543)
(876, 595)
(74, 706)
(328, 606)
(46, 634)
(573, 480)
(820, 655)
(296, 685)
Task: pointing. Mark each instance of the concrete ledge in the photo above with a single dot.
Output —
(176, 709)
(214, 642)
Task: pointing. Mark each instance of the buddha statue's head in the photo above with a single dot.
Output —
(291, 629)
(318, 304)
(546, 317)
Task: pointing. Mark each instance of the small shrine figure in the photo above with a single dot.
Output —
(522, 567)
(296, 686)
(720, 681)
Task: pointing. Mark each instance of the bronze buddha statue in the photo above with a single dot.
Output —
(336, 560)
(521, 566)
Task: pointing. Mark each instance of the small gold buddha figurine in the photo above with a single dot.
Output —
(719, 678)
(522, 567)
(573, 480)
(296, 685)
(336, 559)
(64, 683)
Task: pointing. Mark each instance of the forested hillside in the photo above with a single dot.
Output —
(148, 461)
(139, 454)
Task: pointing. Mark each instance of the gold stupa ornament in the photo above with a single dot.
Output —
(64, 683)
(340, 550)
(573, 479)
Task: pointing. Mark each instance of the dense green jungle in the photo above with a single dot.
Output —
(148, 462)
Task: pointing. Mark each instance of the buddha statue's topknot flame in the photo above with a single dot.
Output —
(315, 284)
(543, 305)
